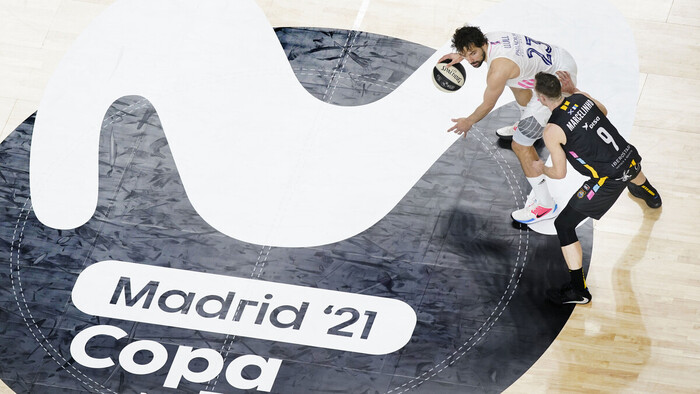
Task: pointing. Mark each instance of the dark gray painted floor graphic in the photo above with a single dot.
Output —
(448, 249)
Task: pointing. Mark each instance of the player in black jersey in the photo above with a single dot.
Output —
(580, 132)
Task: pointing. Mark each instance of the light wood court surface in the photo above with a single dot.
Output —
(642, 331)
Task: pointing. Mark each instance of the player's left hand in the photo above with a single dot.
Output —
(461, 126)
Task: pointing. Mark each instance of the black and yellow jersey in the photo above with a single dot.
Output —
(593, 146)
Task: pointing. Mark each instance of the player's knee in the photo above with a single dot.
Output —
(566, 224)
(560, 224)
(566, 230)
(530, 127)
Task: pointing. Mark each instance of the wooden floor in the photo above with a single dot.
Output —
(642, 331)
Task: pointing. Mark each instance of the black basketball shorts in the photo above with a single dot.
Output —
(597, 195)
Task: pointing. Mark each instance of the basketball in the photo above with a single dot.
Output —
(448, 79)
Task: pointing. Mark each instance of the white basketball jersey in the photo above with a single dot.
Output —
(530, 55)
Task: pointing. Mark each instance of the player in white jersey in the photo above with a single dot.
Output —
(513, 61)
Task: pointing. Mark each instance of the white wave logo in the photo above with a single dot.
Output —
(259, 157)
(261, 160)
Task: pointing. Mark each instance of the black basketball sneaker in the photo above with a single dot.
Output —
(567, 294)
(648, 194)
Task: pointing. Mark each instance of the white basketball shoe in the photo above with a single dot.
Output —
(506, 133)
(535, 212)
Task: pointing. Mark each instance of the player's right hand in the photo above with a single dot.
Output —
(461, 126)
(453, 57)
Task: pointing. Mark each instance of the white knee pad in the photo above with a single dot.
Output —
(532, 122)
(536, 110)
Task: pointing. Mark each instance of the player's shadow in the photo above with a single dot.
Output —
(624, 333)
(515, 283)
(539, 147)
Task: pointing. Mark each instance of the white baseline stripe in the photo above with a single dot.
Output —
(360, 15)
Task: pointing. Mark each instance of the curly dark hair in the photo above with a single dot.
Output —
(547, 84)
(467, 36)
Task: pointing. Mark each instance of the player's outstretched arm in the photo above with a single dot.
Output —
(495, 84)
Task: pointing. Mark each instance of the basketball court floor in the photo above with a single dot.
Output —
(218, 196)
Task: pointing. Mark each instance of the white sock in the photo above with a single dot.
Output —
(539, 186)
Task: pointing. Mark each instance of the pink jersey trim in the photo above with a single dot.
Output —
(527, 83)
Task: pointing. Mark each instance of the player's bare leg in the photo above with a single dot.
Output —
(540, 205)
(527, 155)
(573, 255)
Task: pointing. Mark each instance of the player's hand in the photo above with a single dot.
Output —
(538, 166)
(567, 85)
(461, 126)
(453, 57)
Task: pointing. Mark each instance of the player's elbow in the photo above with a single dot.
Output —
(556, 173)
(560, 175)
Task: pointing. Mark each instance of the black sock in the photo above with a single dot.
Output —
(577, 279)
(649, 188)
